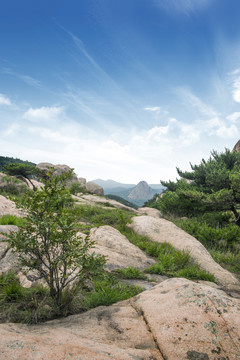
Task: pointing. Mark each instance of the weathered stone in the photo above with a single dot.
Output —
(58, 170)
(118, 249)
(8, 207)
(191, 321)
(93, 188)
(93, 199)
(176, 320)
(150, 212)
(117, 332)
(161, 230)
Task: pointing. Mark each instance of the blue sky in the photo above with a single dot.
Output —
(119, 89)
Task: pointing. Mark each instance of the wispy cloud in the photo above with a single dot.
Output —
(4, 100)
(190, 99)
(236, 85)
(234, 117)
(29, 80)
(185, 7)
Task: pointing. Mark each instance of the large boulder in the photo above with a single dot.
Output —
(118, 249)
(93, 188)
(236, 147)
(58, 170)
(176, 320)
(9, 207)
(150, 212)
(8, 260)
(161, 230)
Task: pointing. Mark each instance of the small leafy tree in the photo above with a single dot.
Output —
(22, 171)
(213, 185)
(49, 243)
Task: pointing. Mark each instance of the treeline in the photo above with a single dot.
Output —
(5, 161)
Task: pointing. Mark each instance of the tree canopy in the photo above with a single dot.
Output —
(49, 242)
(213, 185)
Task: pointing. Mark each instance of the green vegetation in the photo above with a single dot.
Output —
(171, 262)
(211, 186)
(108, 290)
(99, 216)
(209, 197)
(49, 243)
(22, 171)
(34, 305)
(131, 273)
(12, 220)
(11, 186)
(76, 188)
(4, 161)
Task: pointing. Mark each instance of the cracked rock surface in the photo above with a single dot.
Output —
(177, 319)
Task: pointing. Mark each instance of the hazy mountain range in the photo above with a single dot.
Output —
(135, 193)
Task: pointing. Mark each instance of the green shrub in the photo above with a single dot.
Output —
(193, 272)
(108, 291)
(99, 216)
(12, 220)
(76, 188)
(131, 273)
(219, 238)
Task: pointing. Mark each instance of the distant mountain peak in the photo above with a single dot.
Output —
(141, 192)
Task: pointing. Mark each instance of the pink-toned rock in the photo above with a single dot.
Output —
(150, 212)
(117, 332)
(191, 321)
(118, 249)
(8, 207)
(176, 320)
(161, 230)
(94, 199)
(8, 260)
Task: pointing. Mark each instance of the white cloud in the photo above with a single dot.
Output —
(4, 100)
(154, 108)
(235, 82)
(43, 113)
(234, 117)
(236, 90)
(228, 132)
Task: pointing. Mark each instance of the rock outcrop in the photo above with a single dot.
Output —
(161, 230)
(58, 170)
(236, 147)
(150, 212)
(118, 249)
(8, 207)
(142, 191)
(93, 188)
(176, 320)
(94, 199)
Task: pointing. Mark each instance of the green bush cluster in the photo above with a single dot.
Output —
(109, 290)
(76, 188)
(12, 220)
(225, 237)
(131, 273)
